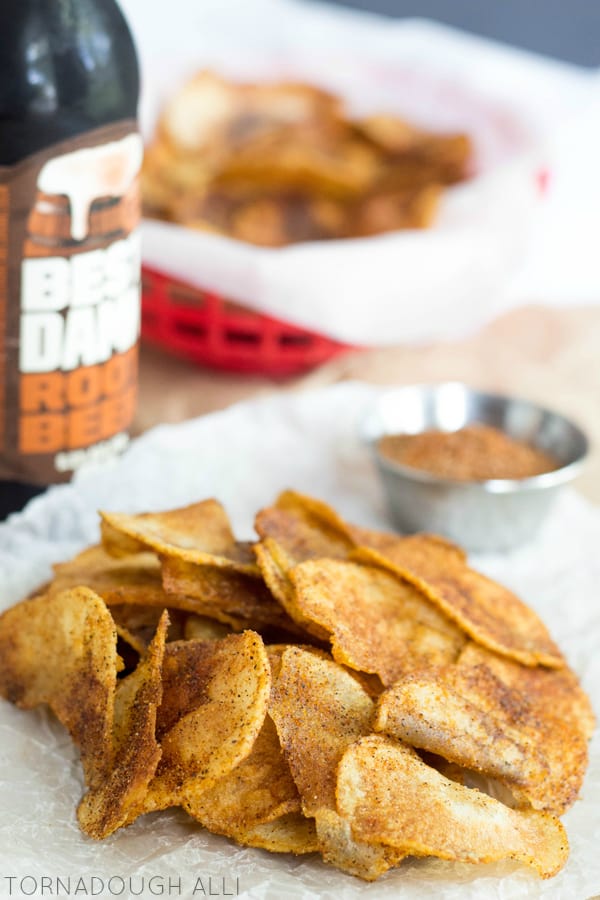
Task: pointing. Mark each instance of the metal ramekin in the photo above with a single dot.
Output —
(482, 516)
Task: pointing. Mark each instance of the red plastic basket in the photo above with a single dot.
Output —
(216, 332)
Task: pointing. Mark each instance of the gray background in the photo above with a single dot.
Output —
(566, 29)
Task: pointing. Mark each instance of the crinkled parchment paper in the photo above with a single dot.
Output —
(244, 456)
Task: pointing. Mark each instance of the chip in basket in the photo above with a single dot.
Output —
(277, 164)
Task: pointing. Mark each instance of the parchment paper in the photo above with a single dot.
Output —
(244, 456)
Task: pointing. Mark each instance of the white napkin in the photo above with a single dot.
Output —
(244, 456)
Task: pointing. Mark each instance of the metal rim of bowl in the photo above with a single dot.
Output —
(553, 478)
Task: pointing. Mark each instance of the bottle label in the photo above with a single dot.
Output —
(69, 304)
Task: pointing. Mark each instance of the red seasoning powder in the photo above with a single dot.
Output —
(474, 453)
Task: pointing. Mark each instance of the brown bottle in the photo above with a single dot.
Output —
(69, 247)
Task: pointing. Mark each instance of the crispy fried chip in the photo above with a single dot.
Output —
(212, 591)
(340, 711)
(378, 623)
(546, 689)
(274, 564)
(61, 651)
(137, 581)
(136, 751)
(550, 709)
(215, 117)
(391, 796)
(137, 624)
(291, 833)
(420, 156)
(385, 541)
(275, 164)
(393, 134)
(232, 597)
(199, 533)
(312, 165)
(135, 633)
(340, 847)
(131, 579)
(203, 628)
(116, 543)
(275, 653)
(488, 612)
(215, 696)
(469, 717)
(260, 789)
(304, 528)
(390, 210)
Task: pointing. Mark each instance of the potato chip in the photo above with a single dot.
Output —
(230, 596)
(204, 629)
(469, 717)
(137, 581)
(184, 122)
(342, 848)
(393, 134)
(215, 696)
(136, 752)
(304, 528)
(340, 711)
(390, 210)
(215, 592)
(260, 789)
(433, 159)
(224, 595)
(370, 683)
(250, 213)
(264, 222)
(378, 623)
(311, 164)
(556, 690)
(275, 164)
(199, 533)
(275, 654)
(488, 612)
(292, 833)
(385, 541)
(118, 544)
(213, 117)
(274, 564)
(137, 624)
(390, 796)
(61, 651)
(136, 636)
(552, 710)
(132, 579)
